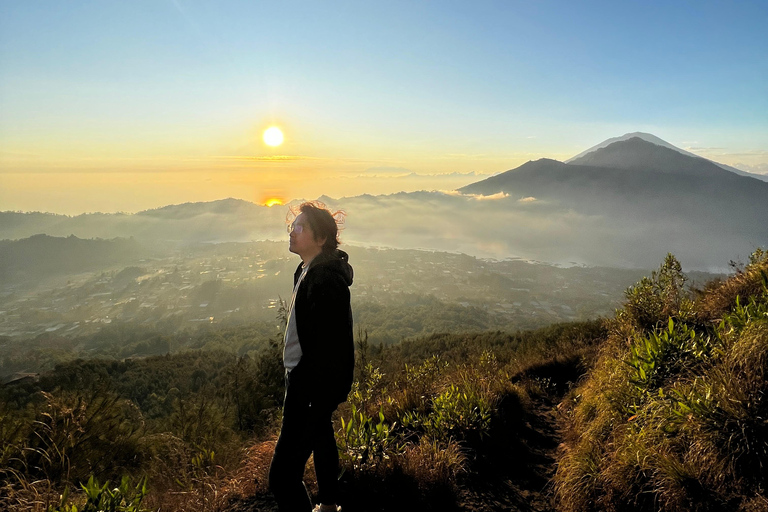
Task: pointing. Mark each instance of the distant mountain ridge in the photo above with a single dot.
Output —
(215, 221)
(626, 204)
(660, 142)
(649, 196)
(228, 206)
(640, 155)
(641, 179)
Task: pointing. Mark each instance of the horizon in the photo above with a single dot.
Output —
(128, 107)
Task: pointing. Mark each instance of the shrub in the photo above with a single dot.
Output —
(75, 437)
(456, 414)
(433, 464)
(365, 441)
(673, 418)
(100, 498)
(655, 299)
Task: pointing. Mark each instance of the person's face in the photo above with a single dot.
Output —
(302, 239)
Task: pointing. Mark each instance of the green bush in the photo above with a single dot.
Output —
(673, 418)
(75, 436)
(365, 441)
(100, 498)
(653, 300)
(456, 414)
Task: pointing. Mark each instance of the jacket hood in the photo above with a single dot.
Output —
(336, 261)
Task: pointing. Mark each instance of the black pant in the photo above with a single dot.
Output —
(306, 429)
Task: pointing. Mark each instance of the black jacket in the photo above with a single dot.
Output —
(324, 325)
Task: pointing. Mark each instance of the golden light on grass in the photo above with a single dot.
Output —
(273, 136)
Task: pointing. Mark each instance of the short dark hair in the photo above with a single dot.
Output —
(323, 225)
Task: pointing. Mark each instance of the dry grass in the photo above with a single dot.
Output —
(719, 297)
(433, 464)
(252, 477)
(19, 494)
(695, 439)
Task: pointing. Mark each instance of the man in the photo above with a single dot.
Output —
(319, 361)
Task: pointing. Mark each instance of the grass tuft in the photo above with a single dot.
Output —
(673, 415)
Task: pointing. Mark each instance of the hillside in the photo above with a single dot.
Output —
(38, 257)
(121, 306)
(658, 408)
(672, 416)
(637, 188)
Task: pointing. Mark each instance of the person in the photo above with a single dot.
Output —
(319, 363)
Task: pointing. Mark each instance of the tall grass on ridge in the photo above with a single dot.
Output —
(674, 416)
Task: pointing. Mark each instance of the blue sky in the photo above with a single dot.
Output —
(173, 94)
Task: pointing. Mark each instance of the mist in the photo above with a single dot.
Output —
(499, 227)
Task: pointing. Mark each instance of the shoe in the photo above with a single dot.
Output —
(327, 508)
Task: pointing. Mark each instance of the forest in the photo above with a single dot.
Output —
(660, 406)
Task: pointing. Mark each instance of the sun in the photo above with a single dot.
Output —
(273, 136)
(273, 201)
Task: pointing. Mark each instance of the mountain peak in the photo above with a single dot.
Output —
(649, 137)
(639, 154)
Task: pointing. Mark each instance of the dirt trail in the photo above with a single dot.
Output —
(523, 484)
(515, 474)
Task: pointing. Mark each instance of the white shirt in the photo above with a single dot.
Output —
(292, 351)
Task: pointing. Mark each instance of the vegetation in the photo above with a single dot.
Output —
(662, 408)
(673, 416)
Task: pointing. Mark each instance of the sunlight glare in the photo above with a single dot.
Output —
(273, 201)
(273, 136)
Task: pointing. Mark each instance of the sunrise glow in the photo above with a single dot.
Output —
(273, 201)
(255, 100)
(273, 136)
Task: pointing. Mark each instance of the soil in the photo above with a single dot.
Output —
(524, 484)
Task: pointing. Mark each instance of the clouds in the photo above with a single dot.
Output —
(754, 169)
(389, 172)
(481, 197)
(508, 227)
(269, 158)
(501, 227)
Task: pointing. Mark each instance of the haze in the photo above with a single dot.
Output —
(124, 106)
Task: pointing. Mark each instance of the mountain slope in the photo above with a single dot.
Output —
(214, 221)
(638, 173)
(638, 197)
(638, 154)
(660, 142)
(41, 256)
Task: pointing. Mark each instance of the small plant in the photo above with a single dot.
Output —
(77, 436)
(456, 414)
(365, 440)
(664, 353)
(756, 309)
(419, 382)
(367, 388)
(654, 299)
(100, 498)
(432, 463)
